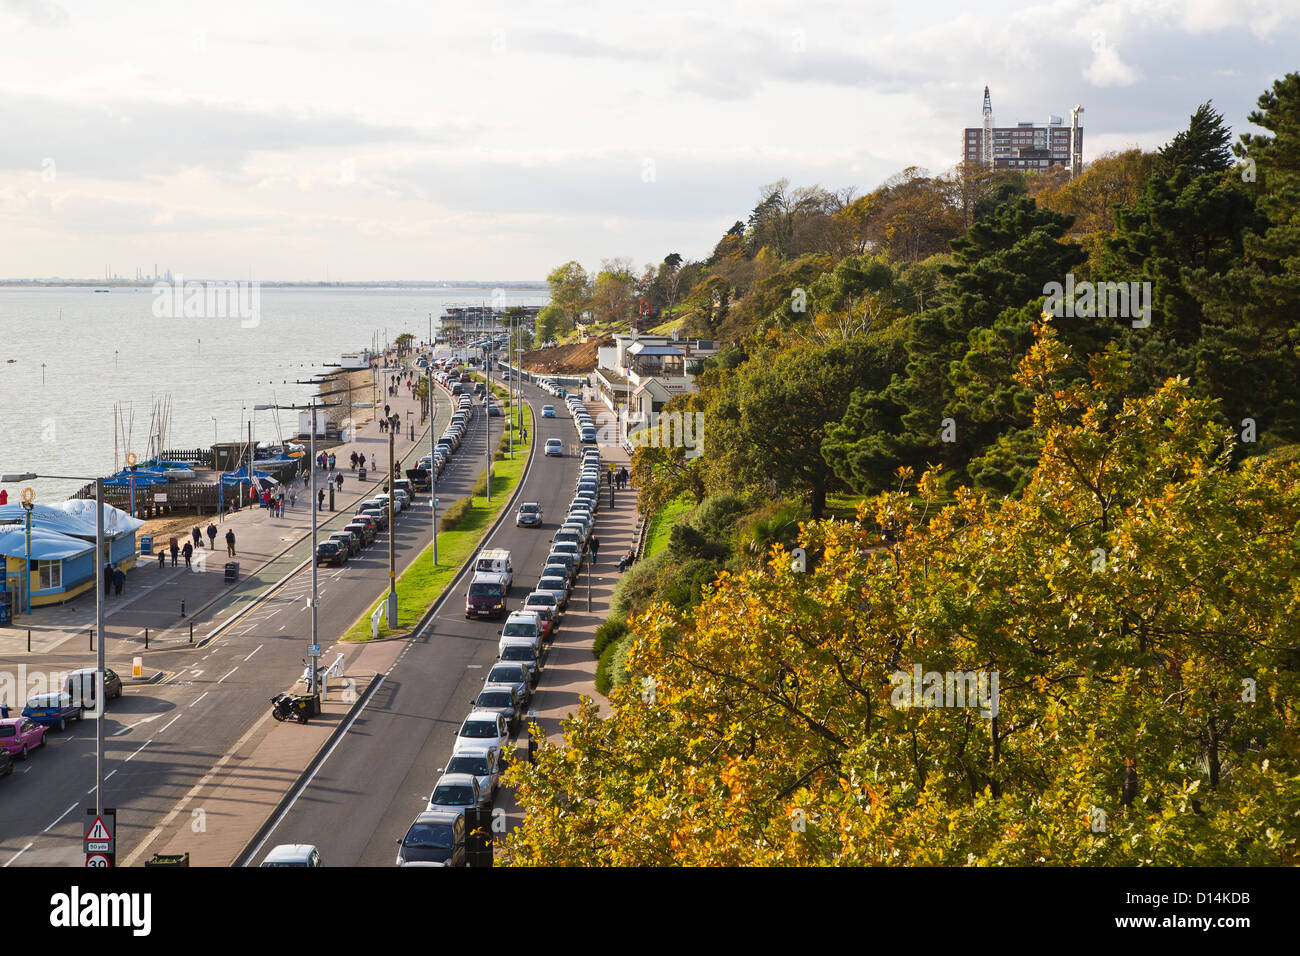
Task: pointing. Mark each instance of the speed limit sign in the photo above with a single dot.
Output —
(96, 859)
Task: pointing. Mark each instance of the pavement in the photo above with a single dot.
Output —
(153, 595)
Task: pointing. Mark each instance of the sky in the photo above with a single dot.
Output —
(305, 141)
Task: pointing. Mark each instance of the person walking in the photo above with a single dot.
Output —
(332, 460)
(188, 552)
(293, 498)
(320, 499)
(197, 535)
(175, 550)
(595, 549)
(373, 464)
(212, 536)
(119, 581)
(108, 578)
(230, 542)
(338, 480)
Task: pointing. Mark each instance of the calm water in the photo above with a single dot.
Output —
(101, 348)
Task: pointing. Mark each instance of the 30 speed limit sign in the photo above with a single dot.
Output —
(96, 859)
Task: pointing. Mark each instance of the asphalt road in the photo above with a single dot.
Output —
(160, 740)
(364, 796)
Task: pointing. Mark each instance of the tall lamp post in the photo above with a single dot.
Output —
(394, 422)
(99, 615)
(433, 463)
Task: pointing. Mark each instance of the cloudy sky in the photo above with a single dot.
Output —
(495, 139)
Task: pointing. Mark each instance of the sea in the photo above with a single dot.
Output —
(69, 355)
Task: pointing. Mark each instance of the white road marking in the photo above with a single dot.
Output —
(255, 650)
(235, 669)
(199, 698)
(130, 727)
(19, 853)
(61, 816)
(169, 723)
(142, 746)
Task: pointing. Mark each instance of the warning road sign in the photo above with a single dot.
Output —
(98, 831)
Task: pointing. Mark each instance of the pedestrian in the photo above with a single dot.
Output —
(175, 550)
(188, 551)
(212, 535)
(119, 580)
(332, 460)
(354, 461)
(197, 535)
(595, 549)
(108, 578)
(373, 465)
(383, 422)
(230, 542)
(293, 498)
(266, 500)
(320, 499)
(338, 480)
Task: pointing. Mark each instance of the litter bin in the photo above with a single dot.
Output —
(232, 571)
(146, 544)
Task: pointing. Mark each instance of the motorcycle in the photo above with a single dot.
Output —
(285, 706)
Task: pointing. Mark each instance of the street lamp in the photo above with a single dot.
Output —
(433, 463)
(394, 422)
(99, 614)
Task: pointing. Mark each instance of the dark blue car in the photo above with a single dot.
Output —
(52, 710)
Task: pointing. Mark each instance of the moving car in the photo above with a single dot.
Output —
(293, 854)
(436, 838)
(52, 710)
(82, 685)
(554, 448)
(529, 515)
(486, 596)
(495, 561)
(19, 735)
(548, 411)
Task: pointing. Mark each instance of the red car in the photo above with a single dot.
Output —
(20, 735)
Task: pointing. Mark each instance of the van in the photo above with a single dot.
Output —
(495, 561)
(486, 596)
(523, 626)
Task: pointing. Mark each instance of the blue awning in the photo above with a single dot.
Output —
(46, 545)
(75, 517)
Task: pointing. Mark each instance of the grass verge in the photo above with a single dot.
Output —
(421, 583)
(661, 525)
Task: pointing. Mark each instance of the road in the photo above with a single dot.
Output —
(365, 795)
(161, 740)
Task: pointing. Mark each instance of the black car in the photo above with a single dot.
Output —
(331, 552)
(503, 699)
(437, 837)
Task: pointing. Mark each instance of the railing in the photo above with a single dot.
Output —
(182, 497)
(196, 456)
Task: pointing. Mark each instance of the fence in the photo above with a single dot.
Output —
(191, 456)
(182, 498)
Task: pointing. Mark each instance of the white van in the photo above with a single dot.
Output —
(521, 627)
(495, 561)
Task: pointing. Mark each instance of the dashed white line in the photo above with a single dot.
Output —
(199, 698)
(142, 746)
(232, 671)
(169, 723)
(61, 816)
(255, 650)
(19, 853)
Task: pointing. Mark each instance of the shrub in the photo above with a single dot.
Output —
(637, 587)
(454, 515)
(612, 669)
(608, 632)
(481, 486)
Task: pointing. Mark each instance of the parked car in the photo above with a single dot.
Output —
(348, 540)
(455, 791)
(502, 699)
(435, 838)
(483, 728)
(21, 735)
(521, 624)
(557, 585)
(53, 710)
(83, 685)
(368, 520)
(516, 675)
(547, 614)
(545, 600)
(554, 448)
(483, 765)
(331, 552)
(366, 529)
(529, 515)
(523, 651)
(568, 536)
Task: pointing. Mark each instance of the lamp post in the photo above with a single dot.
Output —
(393, 424)
(433, 463)
(99, 615)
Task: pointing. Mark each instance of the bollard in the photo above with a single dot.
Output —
(29, 640)
(146, 638)
(182, 607)
(92, 640)
(191, 632)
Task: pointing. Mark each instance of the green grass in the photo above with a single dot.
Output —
(661, 525)
(421, 584)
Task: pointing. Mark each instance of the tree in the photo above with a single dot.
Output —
(1202, 147)
(570, 296)
(1133, 605)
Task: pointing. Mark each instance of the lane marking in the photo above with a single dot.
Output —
(199, 698)
(169, 723)
(142, 746)
(255, 650)
(20, 853)
(61, 816)
(235, 669)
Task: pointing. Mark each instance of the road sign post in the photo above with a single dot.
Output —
(100, 845)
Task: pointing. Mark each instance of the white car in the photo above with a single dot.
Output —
(456, 791)
(293, 854)
(482, 728)
(484, 764)
(554, 448)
